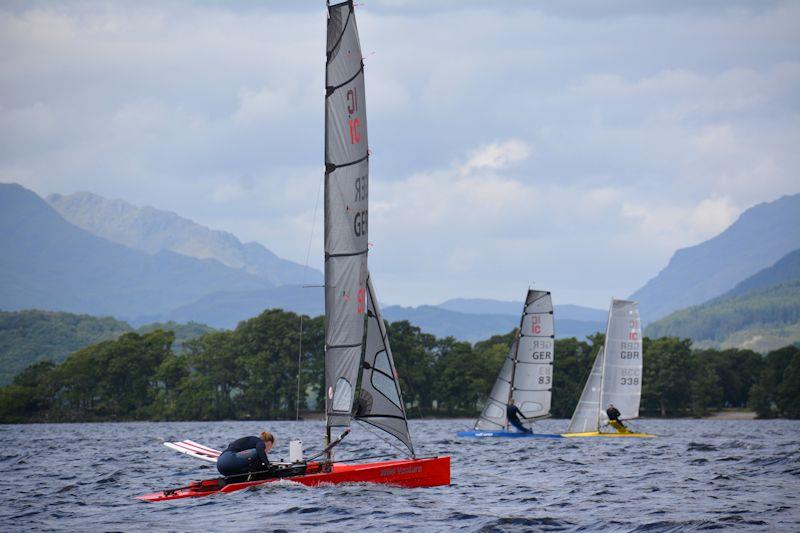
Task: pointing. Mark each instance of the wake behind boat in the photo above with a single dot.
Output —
(526, 377)
(615, 379)
(355, 336)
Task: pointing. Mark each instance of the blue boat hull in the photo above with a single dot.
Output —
(478, 433)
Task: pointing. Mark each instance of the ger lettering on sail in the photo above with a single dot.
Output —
(526, 376)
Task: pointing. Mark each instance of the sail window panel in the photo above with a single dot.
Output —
(538, 302)
(343, 46)
(533, 377)
(346, 209)
(536, 350)
(342, 395)
(382, 362)
(386, 386)
(345, 300)
(532, 404)
(493, 416)
(537, 325)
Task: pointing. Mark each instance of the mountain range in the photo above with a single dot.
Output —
(86, 254)
(761, 236)
(48, 263)
(152, 230)
(761, 313)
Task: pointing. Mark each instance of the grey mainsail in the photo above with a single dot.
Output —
(584, 418)
(527, 371)
(380, 401)
(346, 191)
(622, 366)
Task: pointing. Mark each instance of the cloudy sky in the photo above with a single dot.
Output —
(575, 145)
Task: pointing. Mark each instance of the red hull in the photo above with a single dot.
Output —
(412, 473)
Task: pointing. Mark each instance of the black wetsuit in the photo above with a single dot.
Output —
(244, 455)
(513, 413)
(613, 415)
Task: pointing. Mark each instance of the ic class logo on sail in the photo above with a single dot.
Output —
(354, 123)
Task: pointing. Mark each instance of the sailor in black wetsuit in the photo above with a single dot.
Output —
(248, 454)
(513, 413)
(614, 414)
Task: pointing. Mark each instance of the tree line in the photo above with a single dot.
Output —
(251, 373)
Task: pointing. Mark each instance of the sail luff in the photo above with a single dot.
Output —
(345, 207)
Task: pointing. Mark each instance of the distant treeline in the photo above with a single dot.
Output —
(31, 336)
(251, 373)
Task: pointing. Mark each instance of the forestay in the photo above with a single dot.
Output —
(380, 401)
(346, 192)
(622, 367)
(586, 412)
(527, 372)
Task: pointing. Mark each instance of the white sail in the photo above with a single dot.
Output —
(346, 188)
(622, 367)
(527, 371)
(380, 401)
(532, 386)
(586, 412)
(493, 416)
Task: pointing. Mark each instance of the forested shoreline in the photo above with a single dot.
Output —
(251, 373)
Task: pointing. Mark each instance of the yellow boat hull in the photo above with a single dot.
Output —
(616, 435)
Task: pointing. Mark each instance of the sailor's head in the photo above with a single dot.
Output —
(611, 406)
(268, 438)
(511, 401)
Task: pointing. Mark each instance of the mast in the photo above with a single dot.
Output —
(345, 208)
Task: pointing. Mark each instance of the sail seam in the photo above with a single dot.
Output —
(331, 167)
(333, 88)
(330, 346)
(349, 254)
(359, 417)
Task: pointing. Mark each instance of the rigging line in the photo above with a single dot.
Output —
(303, 284)
(390, 443)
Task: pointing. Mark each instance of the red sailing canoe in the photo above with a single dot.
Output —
(412, 473)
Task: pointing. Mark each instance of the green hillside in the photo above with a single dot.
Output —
(32, 336)
(28, 337)
(760, 319)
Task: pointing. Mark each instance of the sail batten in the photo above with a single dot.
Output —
(527, 372)
(346, 209)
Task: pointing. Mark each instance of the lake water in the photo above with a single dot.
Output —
(698, 474)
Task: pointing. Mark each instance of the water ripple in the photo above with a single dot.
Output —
(698, 475)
